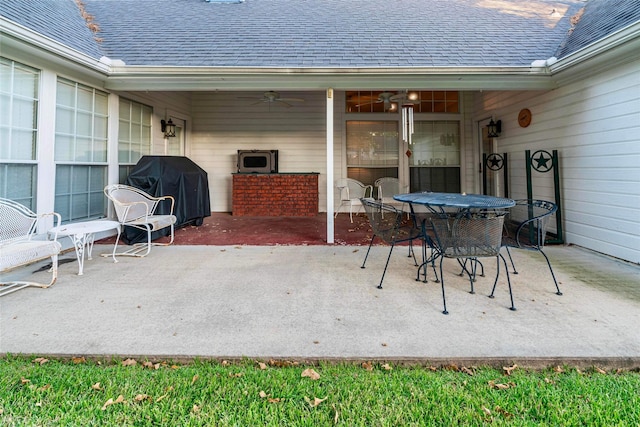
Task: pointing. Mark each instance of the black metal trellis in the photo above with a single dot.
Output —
(493, 163)
(542, 161)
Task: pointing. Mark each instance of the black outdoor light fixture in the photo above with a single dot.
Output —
(168, 128)
(494, 128)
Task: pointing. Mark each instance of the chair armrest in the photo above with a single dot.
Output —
(56, 222)
(159, 199)
(370, 188)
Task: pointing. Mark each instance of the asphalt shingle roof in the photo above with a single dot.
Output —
(325, 33)
(331, 33)
(598, 19)
(59, 20)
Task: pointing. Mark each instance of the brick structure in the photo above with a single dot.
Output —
(279, 194)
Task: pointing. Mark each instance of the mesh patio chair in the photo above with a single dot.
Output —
(468, 237)
(135, 208)
(387, 187)
(387, 225)
(351, 191)
(526, 228)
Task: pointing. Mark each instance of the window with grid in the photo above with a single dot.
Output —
(134, 135)
(372, 150)
(18, 131)
(424, 101)
(80, 151)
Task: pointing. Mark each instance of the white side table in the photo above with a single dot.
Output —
(82, 235)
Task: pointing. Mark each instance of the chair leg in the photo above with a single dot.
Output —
(444, 300)
(368, 249)
(11, 287)
(552, 274)
(506, 268)
(385, 267)
(511, 259)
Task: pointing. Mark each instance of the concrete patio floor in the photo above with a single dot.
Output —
(313, 303)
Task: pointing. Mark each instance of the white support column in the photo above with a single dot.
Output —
(46, 177)
(330, 223)
(112, 138)
(113, 172)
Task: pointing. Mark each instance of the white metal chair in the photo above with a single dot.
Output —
(387, 187)
(18, 225)
(351, 191)
(137, 209)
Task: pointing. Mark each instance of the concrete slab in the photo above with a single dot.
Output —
(316, 303)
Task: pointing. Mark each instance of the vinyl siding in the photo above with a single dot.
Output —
(595, 126)
(224, 123)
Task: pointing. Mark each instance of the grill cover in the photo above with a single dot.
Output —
(175, 176)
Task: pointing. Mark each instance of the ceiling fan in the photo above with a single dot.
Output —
(271, 97)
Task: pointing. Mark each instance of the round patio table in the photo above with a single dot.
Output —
(455, 200)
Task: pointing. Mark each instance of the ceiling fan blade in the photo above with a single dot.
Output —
(291, 99)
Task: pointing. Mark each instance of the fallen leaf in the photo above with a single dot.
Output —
(110, 402)
(558, 369)
(236, 375)
(367, 365)
(129, 362)
(600, 371)
(162, 397)
(45, 387)
(508, 369)
(486, 410)
(316, 401)
(387, 367)
(310, 373)
(433, 368)
(40, 360)
(78, 360)
(141, 397)
(195, 378)
(175, 367)
(262, 365)
(225, 362)
(195, 408)
(500, 386)
(38, 404)
(151, 365)
(24, 381)
(466, 370)
(503, 412)
(262, 394)
(384, 344)
(274, 400)
(96, 386)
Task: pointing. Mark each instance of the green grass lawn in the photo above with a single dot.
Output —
(40, 392)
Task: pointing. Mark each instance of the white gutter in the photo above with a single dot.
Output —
(19, 38)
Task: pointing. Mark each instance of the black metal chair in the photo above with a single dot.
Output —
(466, 237)
(526, 228)
(387, 224)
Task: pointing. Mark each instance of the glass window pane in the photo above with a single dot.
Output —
(102, 103)
(18, 183)
(65, 121)
(84, 124)
(85, 98)
(64, 148)
(26, 81)
(66, 94)
(24, 113)
(23, 145)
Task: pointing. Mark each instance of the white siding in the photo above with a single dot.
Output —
(223, 123)
(595, 126)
